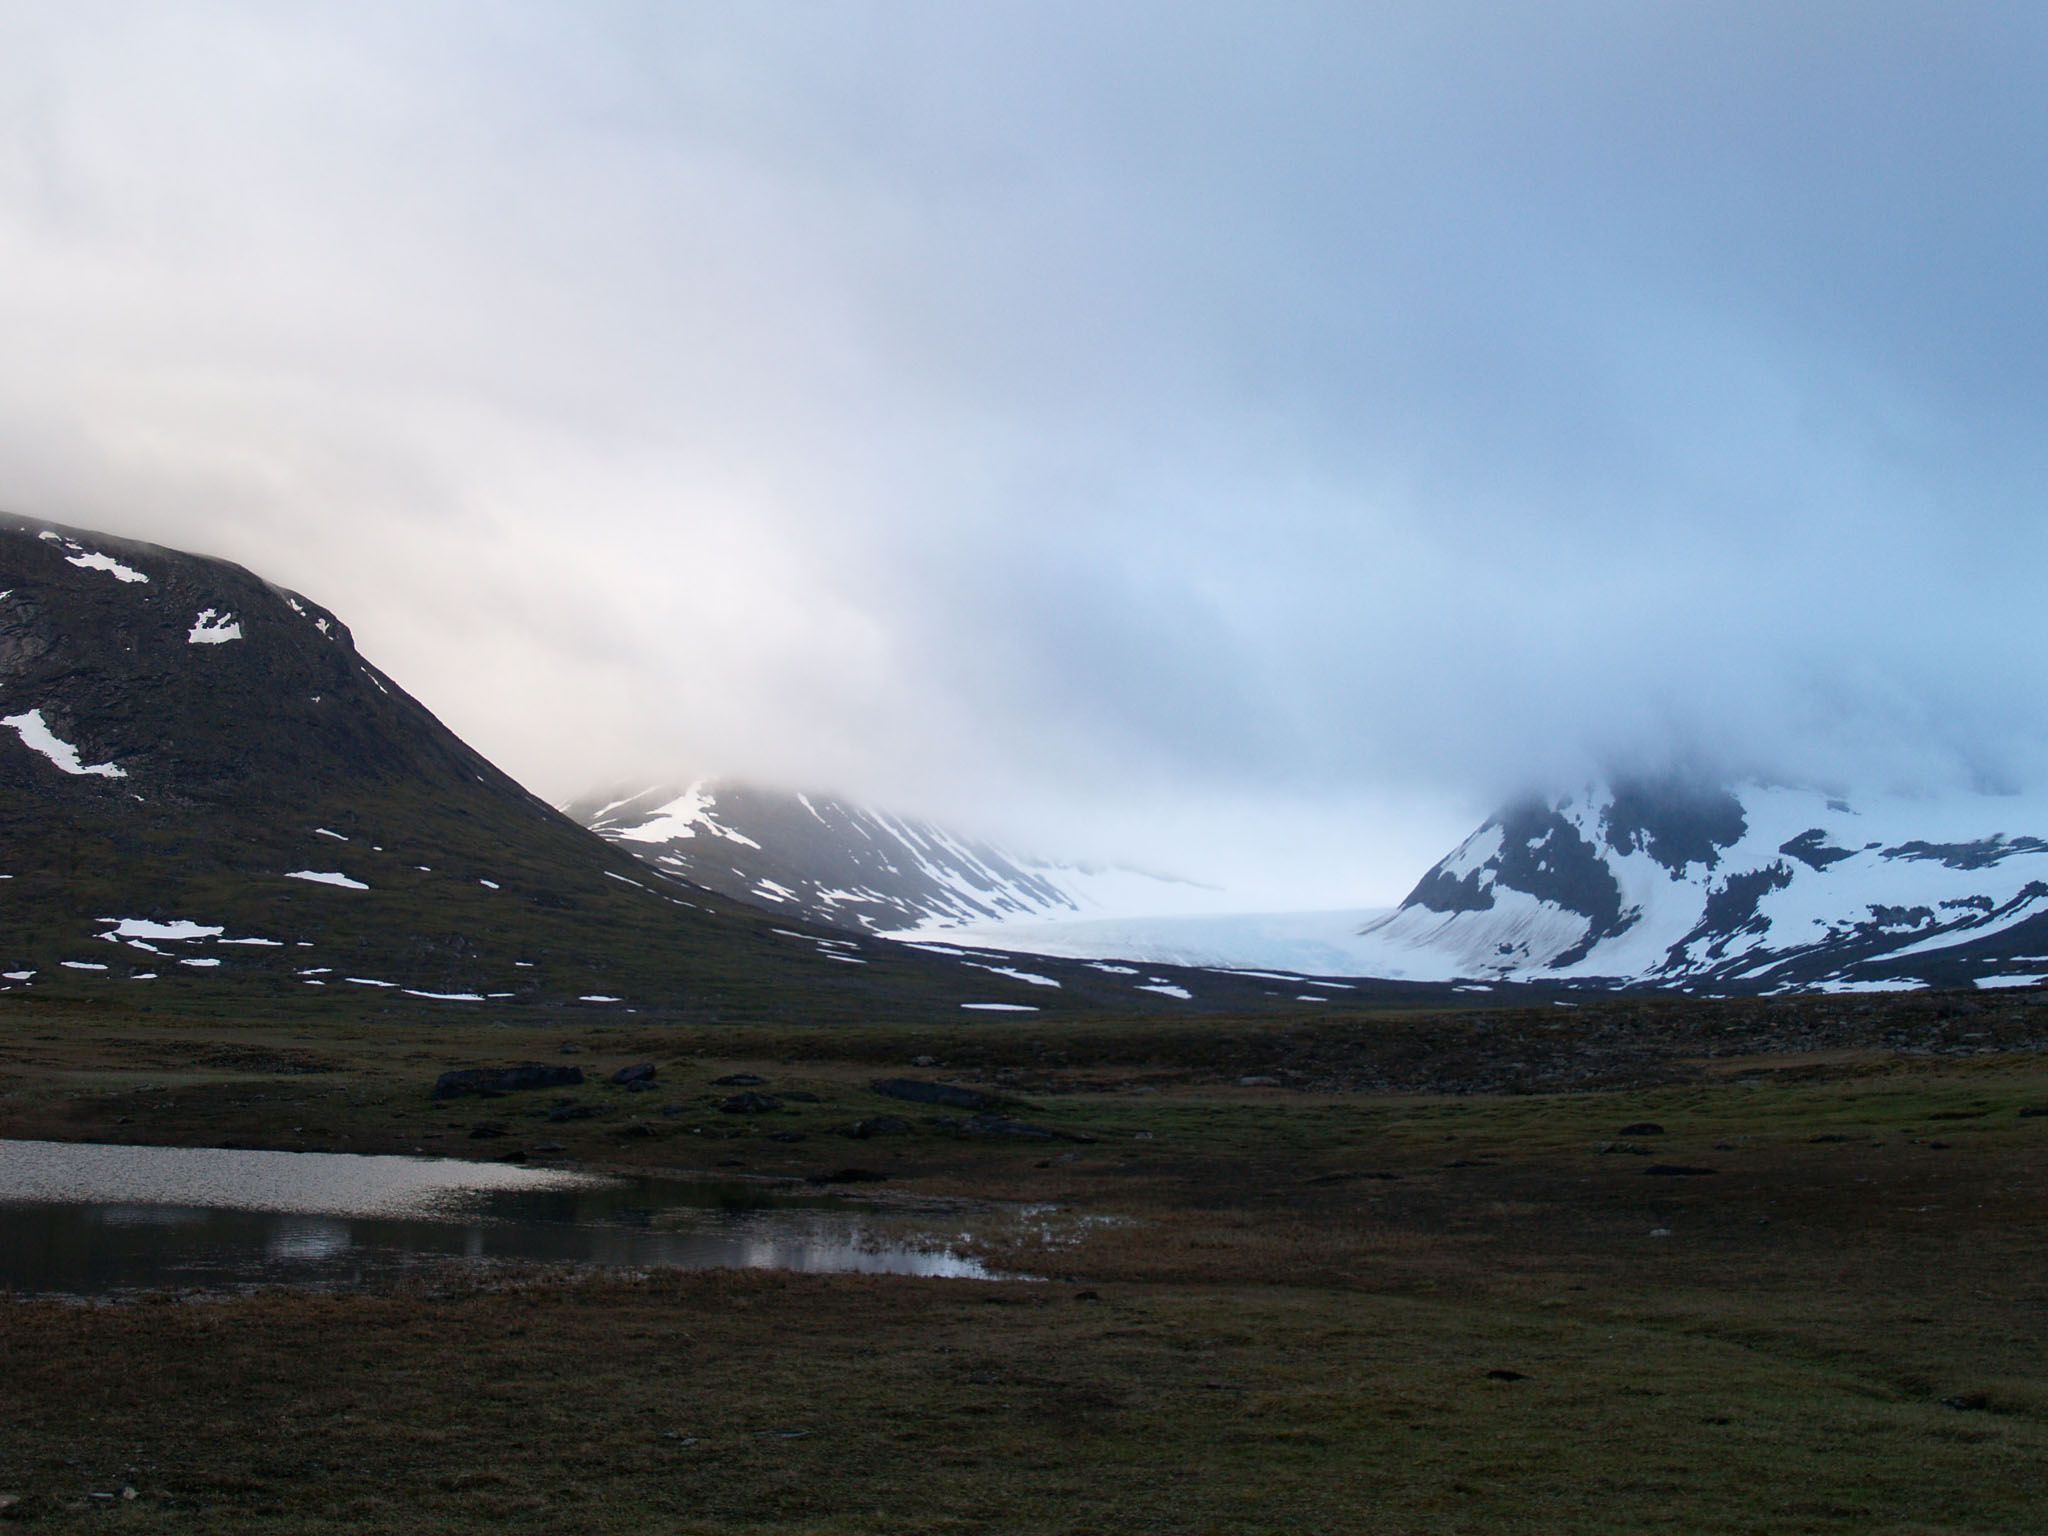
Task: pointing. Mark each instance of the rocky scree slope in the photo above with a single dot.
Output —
(1751, 887)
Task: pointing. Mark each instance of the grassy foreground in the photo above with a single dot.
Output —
(1272, 1305)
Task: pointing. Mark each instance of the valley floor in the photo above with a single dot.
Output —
(1276, 1296)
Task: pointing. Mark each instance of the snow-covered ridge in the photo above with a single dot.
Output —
(853, 867)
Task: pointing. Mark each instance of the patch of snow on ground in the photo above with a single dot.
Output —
(1993, 982)
(326, 877)
(202, 964)
(209, 630)
(143, 928)
(369, 981)
(445, 997)
(488, 884)
(1000, 1007)
(1014, 974)
(1166, 989)
(261, 943)
(17, 975)
(37, 737)
(81, 965)
(323, 832)
(599, 997)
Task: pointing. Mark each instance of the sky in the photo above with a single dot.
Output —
(1249, 440)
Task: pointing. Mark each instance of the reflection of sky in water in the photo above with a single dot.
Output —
(331, 1183)
(304, 1239)
(172, 1217)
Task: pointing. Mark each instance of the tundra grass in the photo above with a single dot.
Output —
(1260, 1306)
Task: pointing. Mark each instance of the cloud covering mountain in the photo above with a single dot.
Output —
(1277, 431)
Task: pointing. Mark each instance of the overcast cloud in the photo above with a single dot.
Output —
(1248, 438)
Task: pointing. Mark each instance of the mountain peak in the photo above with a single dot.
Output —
(1676, 881)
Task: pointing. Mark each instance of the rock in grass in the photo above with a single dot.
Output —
(847, 1176)
(641, 1075)
(562, 1112)
(920, 1092)
(738, 1080)
(484, 1082)
(877, 1125)
(1641, 1128)
(749, 1104)
(1016, 1130)
(1679, 1170)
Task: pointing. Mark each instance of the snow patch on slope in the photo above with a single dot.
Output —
(38, 737)
(213, 629)
(92, 559)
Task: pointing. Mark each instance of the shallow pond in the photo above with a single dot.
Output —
(92, 1220)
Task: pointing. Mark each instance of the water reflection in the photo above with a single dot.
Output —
(81, 1220)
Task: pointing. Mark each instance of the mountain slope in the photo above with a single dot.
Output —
(208, 797)
(1753, 886)
(850, 867)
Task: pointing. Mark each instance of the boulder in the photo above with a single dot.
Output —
(847, 1176)
(485, 1082)
(1014, 1130)
(878, 1125)
(641, 1075)
(920, 1092)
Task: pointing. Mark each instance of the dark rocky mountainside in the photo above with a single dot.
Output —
(203, 785)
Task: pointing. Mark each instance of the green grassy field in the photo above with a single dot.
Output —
(1282, 1305)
